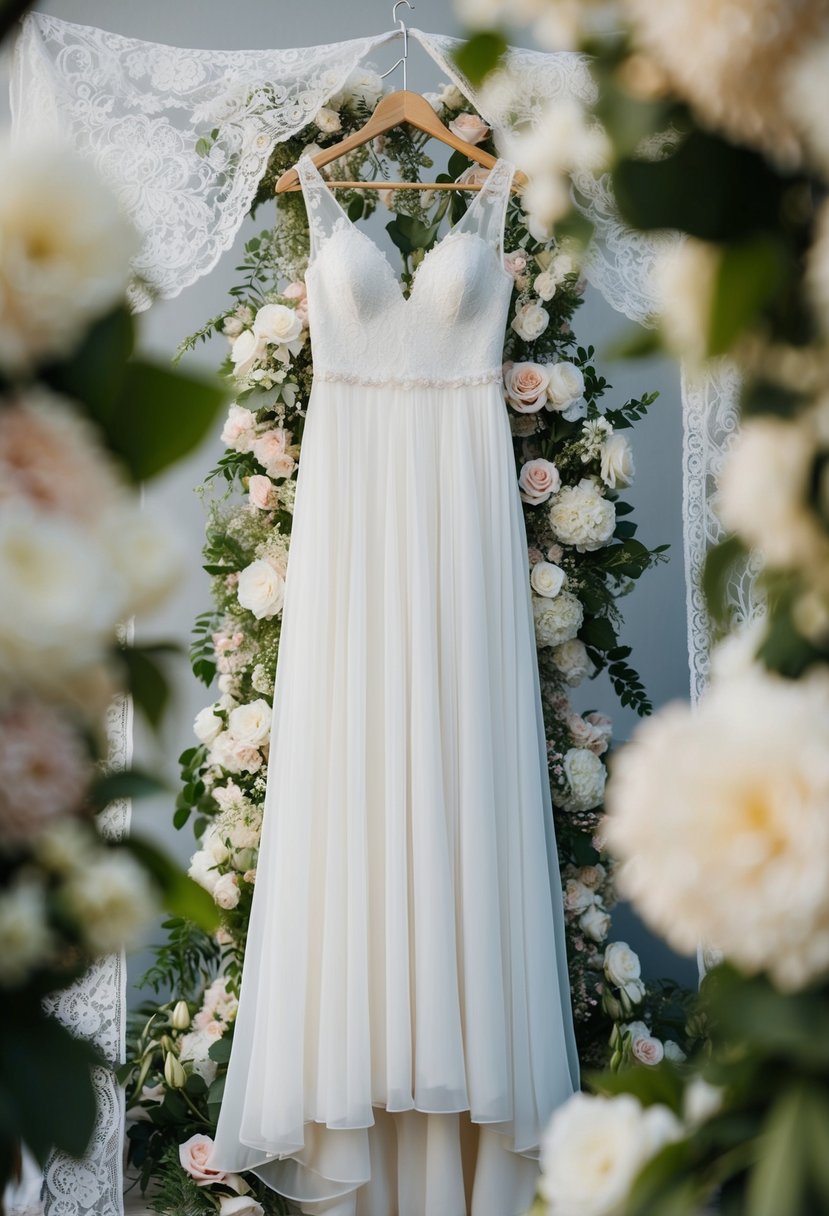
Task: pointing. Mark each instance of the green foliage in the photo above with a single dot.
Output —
(180, 895)
(183, 962)
(480, 55)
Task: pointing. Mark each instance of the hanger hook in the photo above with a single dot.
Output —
(401, 25)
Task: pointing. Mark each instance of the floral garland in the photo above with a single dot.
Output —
(572, 461)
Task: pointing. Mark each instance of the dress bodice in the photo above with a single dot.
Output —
(450, 329)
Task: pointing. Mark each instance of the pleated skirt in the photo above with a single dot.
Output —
(406, 951)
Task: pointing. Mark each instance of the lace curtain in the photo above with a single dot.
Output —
(138, 109)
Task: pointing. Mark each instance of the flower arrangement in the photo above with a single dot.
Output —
(573, 460)
(78, 557)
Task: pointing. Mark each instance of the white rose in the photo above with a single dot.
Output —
(261, 589)
(246, 350)
(572, 660)
(277, 324)
(207, 725)
(240, 1205)
(226, 891)
(586, 776)
(593, 1149)
(239, 430)
(251, 723)
(578, 897)
(203, 870)
(617, 462)
(595, 922)
(66, 248)
(545, 285)
(564, 386)
(673, 1052)
(112, 899)
(621, 964)
(328, 120)
(547, 578)
(25, 937)
(537, 480)
(530, 321)
(557, 620)
(580, 515)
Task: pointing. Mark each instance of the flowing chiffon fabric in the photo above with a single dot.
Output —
(404, 1029)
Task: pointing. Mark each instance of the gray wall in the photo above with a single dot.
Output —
(655, 624)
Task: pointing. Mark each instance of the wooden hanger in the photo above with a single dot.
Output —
(395, 110)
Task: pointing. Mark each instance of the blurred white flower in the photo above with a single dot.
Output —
(25, 937)
(328, 120)
(112, 899)
(146, 552)
(701, 1101)
(593, 1149)
(684, 279)
(737, 854)
(65, 248)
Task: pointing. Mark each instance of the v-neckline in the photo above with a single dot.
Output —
(381, 253)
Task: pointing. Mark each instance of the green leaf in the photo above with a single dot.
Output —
(638, 343)
(749, 274)
(220, 1050)
(599, 632)
(776, 1184)
(131, 784)
(665, 1185)
(717, 571)
(180, 894)
(180, 817)
(160, 416)
(146, 682)
(94, 374)
(480, 55)
(661, 1084)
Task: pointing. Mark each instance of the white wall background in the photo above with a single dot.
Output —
(655, 621)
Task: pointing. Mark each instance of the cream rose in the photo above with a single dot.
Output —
(545, 285)
(469, 127)
(595, 922)
(617, 462)
(263, 493)
(525, 386)
(327, 120)
(572, 660)
(644, 1046)
(261, 589)
(515, 263)
(246, 351)
(226, 891)
(547, 579)
(556, 620)
(592, 731)
(277, 324)
(194, 1155)
(577, 897)
(239, 429)
(240, 1205)
(565, 386)
(271, 451)
(251, 723)
(537, 480)
(530, 321)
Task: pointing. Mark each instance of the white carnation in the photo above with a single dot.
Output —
(586, 777)
(580, 515)
(572, 660)
(593, 1149)
(737, 854)
(261, 589)
(557, 620)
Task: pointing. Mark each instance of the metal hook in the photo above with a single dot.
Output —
(401, 25)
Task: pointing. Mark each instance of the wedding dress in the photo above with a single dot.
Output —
(404, 1028)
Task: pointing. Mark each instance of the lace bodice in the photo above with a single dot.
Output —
(450, 329)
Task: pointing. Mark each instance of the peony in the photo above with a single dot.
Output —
(537, 480)
(557, 620)
(525, 386)
(547, 579)
(530, 321)
(239, 430)
(593, 1149)
(586, 777)
(572, 660)
(207, 725)
(763, 491)
(271, 450)
(261, 589)
(565, 388)
(327, 120)
(65, 248)
(45, 770)
(194, 1155)
(469, 127)
(737, 854)
(617, 462)
(580, 515)
(226, 891)
(111, 899)
(25, 937)
(246, 352)
(263, 493)
(595, 923)
(251, 723)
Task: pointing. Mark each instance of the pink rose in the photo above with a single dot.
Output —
(239, 429)
(537, 480)
(469, 127)
(535, 555)
(194, 1155)
(643, 1046)
(525, 385)
(270, 450)
(515, 263)
(262, 492)
(594, 735)
(295, 290)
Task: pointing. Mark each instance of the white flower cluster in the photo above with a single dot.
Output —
(229, 846)
(271, 337)
(236, 735)
(581, 516)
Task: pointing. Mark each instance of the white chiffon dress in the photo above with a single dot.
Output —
(404, 1028)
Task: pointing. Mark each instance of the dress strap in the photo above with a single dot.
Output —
(325, 215)
(486, 212)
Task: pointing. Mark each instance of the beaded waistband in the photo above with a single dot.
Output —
(407, 382)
